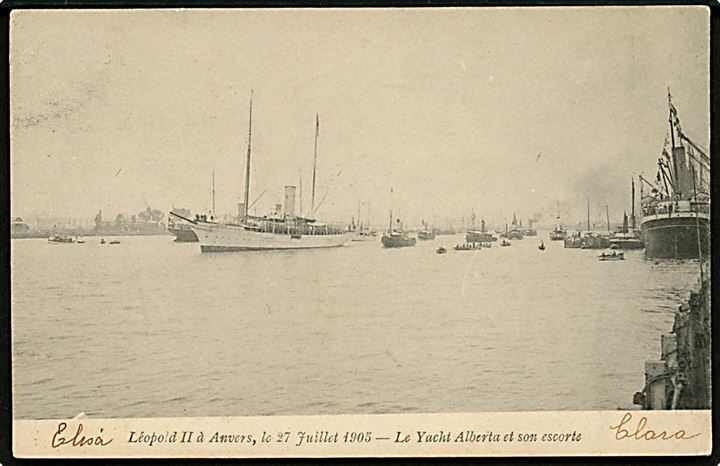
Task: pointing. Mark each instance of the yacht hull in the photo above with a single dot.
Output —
(229, 238)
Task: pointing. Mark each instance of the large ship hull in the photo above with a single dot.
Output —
(228, 238)
(676, 236)
(397, 241)
(512, 234)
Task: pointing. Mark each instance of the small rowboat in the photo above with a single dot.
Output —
(612, 256)
(468, 247)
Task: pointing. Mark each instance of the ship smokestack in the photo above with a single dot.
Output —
(289, 202)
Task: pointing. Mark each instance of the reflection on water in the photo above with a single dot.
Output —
(150, 328)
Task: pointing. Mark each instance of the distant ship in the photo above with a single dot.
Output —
(515, 231)
(425, 234)
(360, 230)
(61, 239)
(573, 241)
(592, 240)
(396, 237)
(558, 234)
(282, 229)
(675, 220)
(481, 236)
(627, 238)
(363, 233)
(530, 231)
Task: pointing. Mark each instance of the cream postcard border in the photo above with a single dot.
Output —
(551, 433)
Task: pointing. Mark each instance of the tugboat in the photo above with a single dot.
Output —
(542, 246)
(675, 220)
(397, 238)
(505, 243)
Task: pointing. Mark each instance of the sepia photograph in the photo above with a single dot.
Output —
(278, 214)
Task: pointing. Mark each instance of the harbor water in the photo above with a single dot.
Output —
(151, 328)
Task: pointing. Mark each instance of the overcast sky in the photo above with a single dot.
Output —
(500, 110)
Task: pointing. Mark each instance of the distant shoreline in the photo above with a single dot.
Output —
(47, 234)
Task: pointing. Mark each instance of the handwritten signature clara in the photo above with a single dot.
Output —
(627, 429)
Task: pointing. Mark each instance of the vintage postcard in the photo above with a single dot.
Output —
(360, 232)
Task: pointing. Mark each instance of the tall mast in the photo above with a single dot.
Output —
(672, 112)
(301, 209)
(632, 212)
(391, 206)
(312, 199)
(247, 164)
(213, 193)
(671, 107)
(607, 214)
(588, 214)
(369, 214)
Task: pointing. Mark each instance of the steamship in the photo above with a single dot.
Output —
(675, 221)
(282, 229)
(475, 236)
